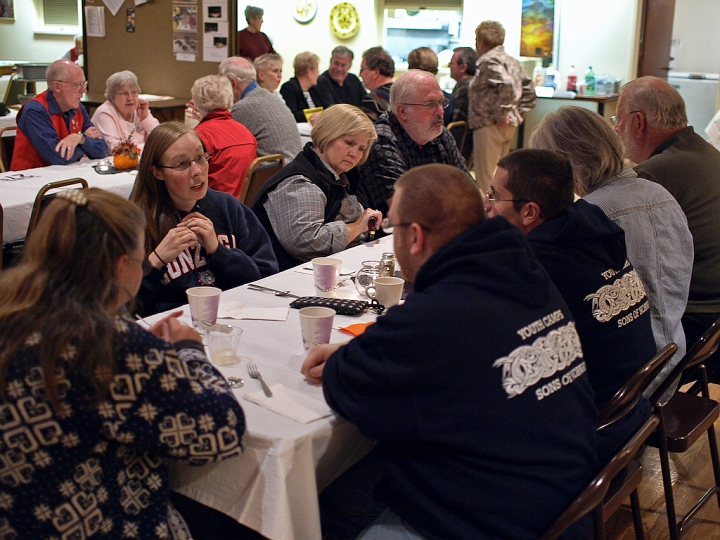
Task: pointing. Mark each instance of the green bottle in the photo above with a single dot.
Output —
(590, 82)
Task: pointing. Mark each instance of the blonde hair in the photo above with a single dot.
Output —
(340, 121)
(305, 61)
(423, 58)
(587, 140)
(491, 32)
(212, 93)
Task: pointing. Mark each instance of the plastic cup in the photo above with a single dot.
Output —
(326, 272)
(316, 326)
(204, 303)
(388, 290)
(223, 342)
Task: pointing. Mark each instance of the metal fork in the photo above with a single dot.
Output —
(255, 374)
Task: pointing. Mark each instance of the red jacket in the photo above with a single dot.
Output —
(25, 156)
(232, 148)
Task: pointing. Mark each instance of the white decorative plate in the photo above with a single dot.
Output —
(344, 20)
(305, 10)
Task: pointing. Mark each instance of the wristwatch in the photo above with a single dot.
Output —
(82, 139)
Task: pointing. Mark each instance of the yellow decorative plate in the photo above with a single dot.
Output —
(344, 20)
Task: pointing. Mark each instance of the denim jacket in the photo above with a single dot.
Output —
(659, 245)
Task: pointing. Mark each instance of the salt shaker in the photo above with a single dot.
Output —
(387, 265)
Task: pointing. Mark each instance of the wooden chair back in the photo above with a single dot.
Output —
(592, 497)
(459, 131)
(629, 394)
(260, 171)
(43, 198)
(7, 145)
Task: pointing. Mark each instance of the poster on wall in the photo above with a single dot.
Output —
(185, 35)
(7, 10)
(537, 28)
(215, 41)
(95, 21)
(215, 10)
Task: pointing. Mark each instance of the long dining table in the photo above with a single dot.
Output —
(19, 189)
(273, 486)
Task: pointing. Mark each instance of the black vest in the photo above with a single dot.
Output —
(308, 164)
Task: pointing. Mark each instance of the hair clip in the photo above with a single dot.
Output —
(75, 196)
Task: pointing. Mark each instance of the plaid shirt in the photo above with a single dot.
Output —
(296, 210)
(500, 88)
(394, 153)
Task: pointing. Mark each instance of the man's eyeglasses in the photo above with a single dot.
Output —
(77, 86)
(387, 226)
(492, 197)
(202, 159)
(616, 119)
(431, 105)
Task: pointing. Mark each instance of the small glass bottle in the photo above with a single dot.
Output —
(387, 265)
(365, 278)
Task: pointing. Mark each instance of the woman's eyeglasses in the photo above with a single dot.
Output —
(202, 159)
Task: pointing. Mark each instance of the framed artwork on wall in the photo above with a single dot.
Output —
(7, 10)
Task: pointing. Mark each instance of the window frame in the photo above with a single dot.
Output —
(39, 26)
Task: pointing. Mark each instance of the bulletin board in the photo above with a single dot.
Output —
(148, 50)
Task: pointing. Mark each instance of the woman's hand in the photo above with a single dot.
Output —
(356, 228)
(171, 330)
(143, 109)
(175, 241)
(204, 229)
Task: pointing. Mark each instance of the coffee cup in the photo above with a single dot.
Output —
(316, 326)
(326, 273)
(388, 290)
(204, 303)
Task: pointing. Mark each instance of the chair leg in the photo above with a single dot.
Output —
(667, 478)
(714, 458)
(637, 515)
(599, 525)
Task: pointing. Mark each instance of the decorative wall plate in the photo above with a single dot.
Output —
(305, 10)
(344, 20)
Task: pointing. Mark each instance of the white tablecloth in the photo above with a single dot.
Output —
(272, 488)
(19, 189)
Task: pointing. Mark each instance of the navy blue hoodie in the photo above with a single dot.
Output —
(476, 389)
(244, 255)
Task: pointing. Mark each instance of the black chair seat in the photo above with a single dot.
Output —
(687, 418)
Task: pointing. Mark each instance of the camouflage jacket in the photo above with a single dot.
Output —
(499, 88)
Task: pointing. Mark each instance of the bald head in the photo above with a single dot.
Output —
(649, 111)
(241, 73)
(412, 87)
(442, 198)
(61, 70)
(660, 103)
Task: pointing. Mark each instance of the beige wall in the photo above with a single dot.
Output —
(18, 42)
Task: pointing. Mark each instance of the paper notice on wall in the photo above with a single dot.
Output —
(114, 5)
(139, 2)
(215, 10)
(95, 21)
(215, 41)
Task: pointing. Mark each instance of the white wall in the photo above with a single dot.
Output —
(696, 27)
(19, 42)
(290, 37)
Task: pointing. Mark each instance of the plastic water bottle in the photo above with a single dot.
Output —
(552, 77)
(539, 76)
(572, 80)
(590, 82)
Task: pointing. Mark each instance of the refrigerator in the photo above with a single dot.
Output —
(700, 92)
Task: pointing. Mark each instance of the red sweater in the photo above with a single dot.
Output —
(253, 45)
(232, 148)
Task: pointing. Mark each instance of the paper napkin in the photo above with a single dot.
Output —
(236, 310)
(290, 403)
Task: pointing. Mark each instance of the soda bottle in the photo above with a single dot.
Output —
(590, 82)
(572, 80)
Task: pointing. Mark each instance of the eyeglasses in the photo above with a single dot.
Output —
(431, 105)
(77, 86)
(616, 119)
(387, 226)
(134, 93)
(147, 266)
(202, 159)
(492, 197)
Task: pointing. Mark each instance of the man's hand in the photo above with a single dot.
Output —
(204, 229)
(314, 364)
(66, 147)
(93, 132)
